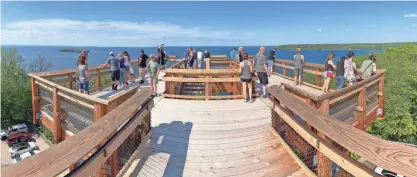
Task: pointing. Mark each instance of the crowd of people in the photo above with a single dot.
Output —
(345, 71)
(121, 70)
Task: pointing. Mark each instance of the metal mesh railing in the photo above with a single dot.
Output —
(46, 101)
(372, 98)
(345, 109)
(76, 117)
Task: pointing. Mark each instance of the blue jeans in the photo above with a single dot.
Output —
(84, 86)
(122, 76)
(270, 63)
(340, 82)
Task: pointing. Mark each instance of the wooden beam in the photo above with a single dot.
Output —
(389, 155)
(35, 102)
(69, 81)
(57, 116)
(381, 96)
(98, 81)
(362, 105)
(318, 77)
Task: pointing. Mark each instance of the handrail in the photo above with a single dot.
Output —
(389, 155)
(62, 156)
(52, 84)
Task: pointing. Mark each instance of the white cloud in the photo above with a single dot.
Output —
(318, 30)
(347, 29)
(107, 33)
(412, 15)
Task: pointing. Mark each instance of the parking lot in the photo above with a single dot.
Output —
(6, 160)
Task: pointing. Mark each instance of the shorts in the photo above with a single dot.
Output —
(191, 63)
(153, 78)
(142, 66)
(270, 63)
(245, 80)
(328, 74)
(115, 75)
(127, 68)
(263, 78)
(84, 86)
(161, 67)
(132, 72)
(298, 71)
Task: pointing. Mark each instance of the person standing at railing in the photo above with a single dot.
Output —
(298, 66)
(232, 54)
(261, 69)
(329, 67)
(83, 74)
(143, 60)
(271, 61)
(245, 70)
(239, 55)
(128, 68)
(199, 58)
(190, 58)
(122, 78)
(153, 69)
(340, 71)
(114, 70)
(350, 69)
(207, 54)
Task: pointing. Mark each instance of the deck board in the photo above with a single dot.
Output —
(211, 138)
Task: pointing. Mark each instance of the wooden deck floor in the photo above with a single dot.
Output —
(189, 138)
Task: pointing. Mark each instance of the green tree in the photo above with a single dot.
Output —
(15, 88)
(400, 123)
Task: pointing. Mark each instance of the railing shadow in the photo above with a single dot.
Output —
(166, 152)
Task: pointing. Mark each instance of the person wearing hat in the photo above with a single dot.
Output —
(153, 70)
(143, 58)
(298, 66)
(271, 59)
(114, 70)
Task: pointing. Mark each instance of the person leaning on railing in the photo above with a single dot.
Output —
(368, 68)
(114, 69)
(350, 69)
(83, 75)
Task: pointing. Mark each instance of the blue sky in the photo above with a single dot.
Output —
(206, 23)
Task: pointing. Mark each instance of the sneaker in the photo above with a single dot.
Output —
(264, 96)
(141, 82)
(245, 101)
(251, 100)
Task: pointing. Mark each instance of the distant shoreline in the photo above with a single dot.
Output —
(72, 50)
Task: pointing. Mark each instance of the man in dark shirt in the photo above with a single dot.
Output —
(340, 71)
(271, 59)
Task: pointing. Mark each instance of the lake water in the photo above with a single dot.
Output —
(99, 55)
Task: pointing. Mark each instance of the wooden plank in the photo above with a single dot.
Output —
(378, 151)
(291, 152)
(318, 77)
(203, 72)
(60, 157)
(381, 96)
(203, 97)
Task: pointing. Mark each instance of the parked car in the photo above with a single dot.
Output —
(387, 173)
(20, 157)
(19, 137)
(21, 148)
(13, 130)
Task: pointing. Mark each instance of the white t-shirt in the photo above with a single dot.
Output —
(200, 55)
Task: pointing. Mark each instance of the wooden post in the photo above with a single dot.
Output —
(35, 100)
(99, 112)
(57, 116)
(69, 81)
(324, 164)
(381, 95)
(362, 107)
(284, 70)
(98, 82)
(310, 102)
(113, 158)
(318, 78)
(208, 89)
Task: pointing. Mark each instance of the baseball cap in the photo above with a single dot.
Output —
(298, 50)
(111, 53)
(142, 51)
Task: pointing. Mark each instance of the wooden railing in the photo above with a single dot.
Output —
(106, 148)
(207, 82)
(65, 111)
(358, 104)
(308, 134)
